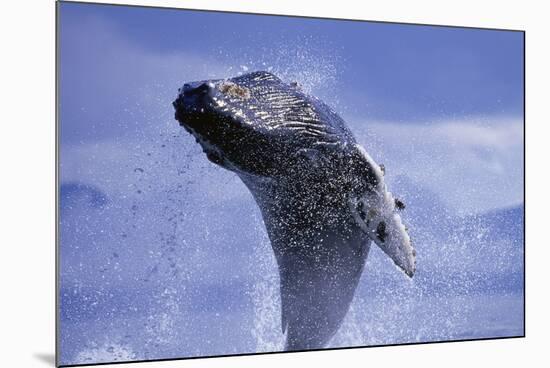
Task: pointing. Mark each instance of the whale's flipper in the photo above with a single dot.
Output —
(375, 211)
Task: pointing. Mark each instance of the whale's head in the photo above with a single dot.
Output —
(257, 124)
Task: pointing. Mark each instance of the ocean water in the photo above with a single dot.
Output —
(174, 261)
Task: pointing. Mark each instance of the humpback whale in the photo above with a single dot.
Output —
(322, 197)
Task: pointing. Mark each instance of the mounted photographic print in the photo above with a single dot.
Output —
(234, 183)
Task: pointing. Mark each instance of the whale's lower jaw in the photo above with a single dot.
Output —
(320, 263)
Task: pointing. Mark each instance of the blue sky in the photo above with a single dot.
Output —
(441, 108)
(121, 67)
(385, 71)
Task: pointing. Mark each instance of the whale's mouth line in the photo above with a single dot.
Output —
(213, 153)
(216, 155)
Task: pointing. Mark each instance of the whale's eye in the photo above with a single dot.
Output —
(234, 90)
(381, 231)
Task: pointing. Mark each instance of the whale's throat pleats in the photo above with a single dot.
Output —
(317, 289)
(320, 254)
